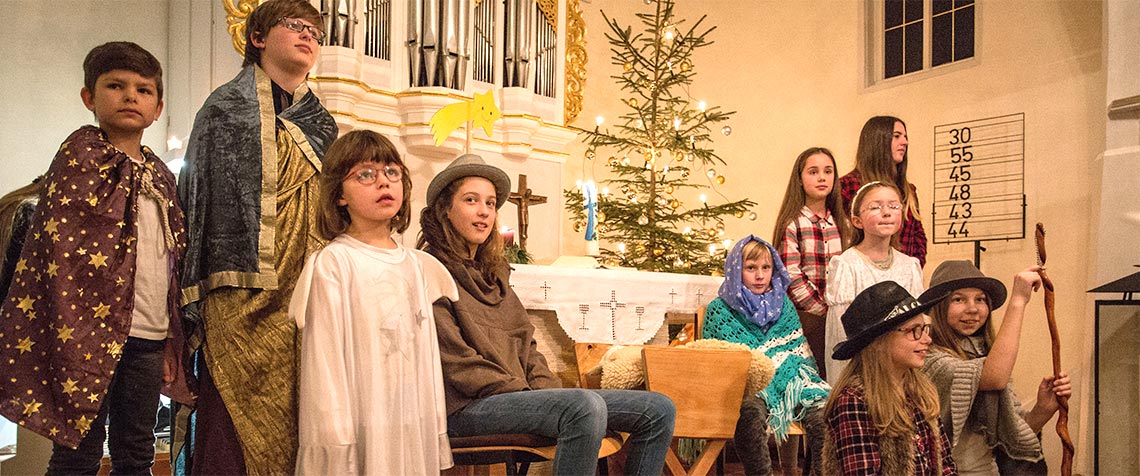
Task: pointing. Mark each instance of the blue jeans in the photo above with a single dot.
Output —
(578, 419)
(131, 403)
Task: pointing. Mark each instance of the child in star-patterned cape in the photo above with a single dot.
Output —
(90, 328)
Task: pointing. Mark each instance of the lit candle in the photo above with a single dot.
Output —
(590, 203)
(508, 236)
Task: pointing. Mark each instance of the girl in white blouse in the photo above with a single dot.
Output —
(876, 215)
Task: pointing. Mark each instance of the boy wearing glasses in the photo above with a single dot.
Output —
(90, 317)
(249, 189)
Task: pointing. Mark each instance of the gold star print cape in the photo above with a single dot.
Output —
(68, 311)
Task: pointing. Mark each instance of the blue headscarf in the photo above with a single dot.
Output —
(761, 309)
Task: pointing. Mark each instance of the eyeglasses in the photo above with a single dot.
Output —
(878, 207)
(299, 26)
(368, 176)
(916, 332)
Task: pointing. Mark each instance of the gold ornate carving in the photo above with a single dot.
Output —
(575, 60)
(477, 2)
(549, 10)
(235, 19)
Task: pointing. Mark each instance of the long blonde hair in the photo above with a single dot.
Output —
(874, 160)
(886, 398)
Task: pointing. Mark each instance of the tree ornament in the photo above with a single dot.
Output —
(628, 66)
(720, 179)
(590, 155)
(675, 204)
(726, 130)
(711, 173)
(752, 216)
(642, 220)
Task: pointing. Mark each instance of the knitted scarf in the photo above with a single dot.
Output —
(796, 386)
(761, 309)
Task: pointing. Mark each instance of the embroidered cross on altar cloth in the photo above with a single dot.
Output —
(615, 306)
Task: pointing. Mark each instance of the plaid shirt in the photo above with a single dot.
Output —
(857, 439)
(809, 243)
(912, 237)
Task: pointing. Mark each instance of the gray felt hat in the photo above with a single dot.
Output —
(953, 275)
(470, 165)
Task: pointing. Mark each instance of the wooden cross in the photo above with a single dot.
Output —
(523, 199)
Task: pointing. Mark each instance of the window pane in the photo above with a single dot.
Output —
(960, 3)
(893, 13)
(913, 10)
(964, 33)
(893, 53)
(941, 6)
(942, 39)
(913, 48)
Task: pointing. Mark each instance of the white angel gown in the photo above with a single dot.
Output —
(850, 273)
(371, 391)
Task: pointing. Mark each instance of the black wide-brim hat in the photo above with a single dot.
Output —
(470, 165)
(953, 275)
(875, 311)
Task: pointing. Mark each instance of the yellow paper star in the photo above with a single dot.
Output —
(51, 226)
(102, 310)
(93, 397)
(26, 303)
(52, 269)
(115, 349)
(98, 259)
(25, 345)
(64, 333)
(32, 407)
(21, 266)
(83, 424)
(69, 386)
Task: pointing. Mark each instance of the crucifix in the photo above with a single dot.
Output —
(524, 198)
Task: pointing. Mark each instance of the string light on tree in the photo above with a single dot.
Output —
(672, 132)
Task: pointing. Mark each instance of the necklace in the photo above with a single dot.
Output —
(884, 264)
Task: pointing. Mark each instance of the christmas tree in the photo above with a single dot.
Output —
(659, 151)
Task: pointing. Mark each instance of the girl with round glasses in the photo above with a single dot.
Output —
(971, 364)
(876, 216)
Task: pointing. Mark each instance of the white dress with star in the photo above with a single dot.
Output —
(371, 390)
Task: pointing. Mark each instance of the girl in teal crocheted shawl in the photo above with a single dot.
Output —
(753, 309)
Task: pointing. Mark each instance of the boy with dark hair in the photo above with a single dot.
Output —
(90, 328)
(249, 187)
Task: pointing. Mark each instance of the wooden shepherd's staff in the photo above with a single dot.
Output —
(1055, 336)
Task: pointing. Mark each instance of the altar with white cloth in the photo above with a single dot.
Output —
(617, 306)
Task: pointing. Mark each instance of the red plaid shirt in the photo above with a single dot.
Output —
(809, 243)
(912, 237)
(857, 439)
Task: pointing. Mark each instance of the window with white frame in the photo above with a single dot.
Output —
(916, 35)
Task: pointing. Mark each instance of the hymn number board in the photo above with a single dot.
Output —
(979, 186)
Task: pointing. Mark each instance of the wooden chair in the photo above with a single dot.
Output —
(516, 451)
(707, 387)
